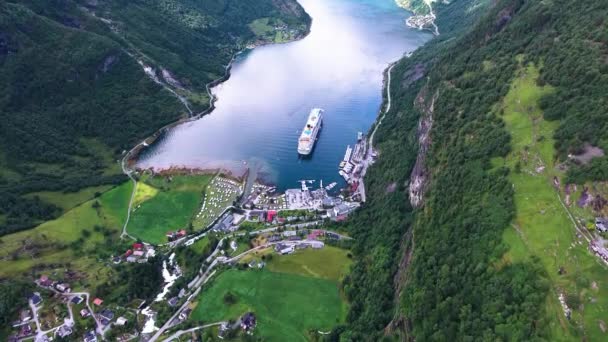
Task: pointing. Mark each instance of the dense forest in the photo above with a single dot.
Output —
(442, 259)
(75, 95)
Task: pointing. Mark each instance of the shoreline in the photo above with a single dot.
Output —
(421, 21)
(131, 155)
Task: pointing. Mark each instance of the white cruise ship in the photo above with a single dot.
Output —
(311, 131)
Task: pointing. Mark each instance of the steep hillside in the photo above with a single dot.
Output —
(488, 123)
(84, 80)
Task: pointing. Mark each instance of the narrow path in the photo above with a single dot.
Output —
(432, 14)
(35, 314)
(368, 158)
(386, 110)
(127, 172)
(181, 332)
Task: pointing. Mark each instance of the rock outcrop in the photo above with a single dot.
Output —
(419, 176)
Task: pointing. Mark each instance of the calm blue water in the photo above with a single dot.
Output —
(264, 105)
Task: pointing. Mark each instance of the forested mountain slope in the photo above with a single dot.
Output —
(75, 93)
(496, 247)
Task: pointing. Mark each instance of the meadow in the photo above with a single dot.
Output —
(164, 204)
(286, 305)
(542, 227)
(331, 263)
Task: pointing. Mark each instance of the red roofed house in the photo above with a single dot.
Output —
(97, 301)
(340, 218)
(271, 214)
(45, 281)
(138, 246)
(315, 234)
(129, 252)
(182, 233)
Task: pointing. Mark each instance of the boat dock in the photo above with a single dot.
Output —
(352, 165)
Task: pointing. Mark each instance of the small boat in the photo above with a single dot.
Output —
(331, 186)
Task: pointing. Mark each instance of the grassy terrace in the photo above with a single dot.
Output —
(542, 227)
(286, 305)
(70, 239)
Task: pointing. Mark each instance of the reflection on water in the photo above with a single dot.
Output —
(263, 107)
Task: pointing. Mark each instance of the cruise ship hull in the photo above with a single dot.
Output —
(307, 150)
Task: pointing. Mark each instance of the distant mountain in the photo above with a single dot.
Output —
(83, 80)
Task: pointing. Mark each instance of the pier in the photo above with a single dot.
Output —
(352, 168)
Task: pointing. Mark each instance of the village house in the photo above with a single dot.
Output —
(77, 299)
(132, 259)
(98, 301)
(107, 314)
(64, 331)
(224, 328)
(328, 202)
(289, 233)
(90, 336)
(26, 330)
(171, 236)
(342, 210)
(184, 314)
(121, 321)
(45, 281)
(248, 322)
(254, 264)
(271, 215)
(332, 236)
(601, 224)
(274, 238)
(35, 298)
(26, 315)
(313, 243)
(284, 249)
(84, 313)
(63, 287)
(173, 301)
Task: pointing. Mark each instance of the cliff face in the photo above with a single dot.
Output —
(419, 177)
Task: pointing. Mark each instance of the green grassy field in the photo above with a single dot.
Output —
(287, 306)
(261, 27)
(69, 200)
(200, 244)
(542, 226)
(329, 263)
(47, 246)
(165, 205)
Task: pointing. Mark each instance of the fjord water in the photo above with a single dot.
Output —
(263, 107)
